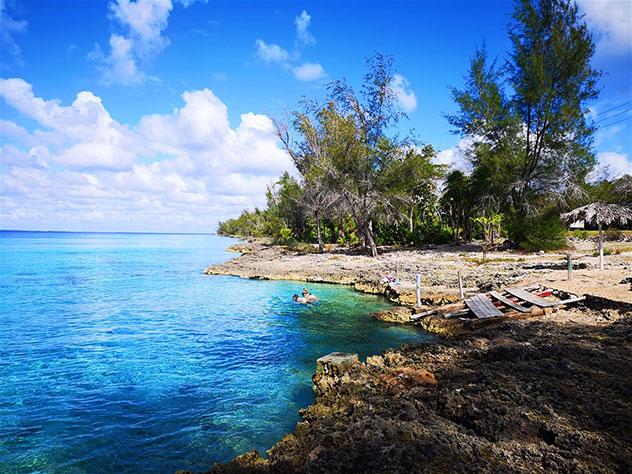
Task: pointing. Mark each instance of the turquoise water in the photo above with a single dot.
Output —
(118, 355)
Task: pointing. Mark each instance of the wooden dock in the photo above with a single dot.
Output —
(507, 302)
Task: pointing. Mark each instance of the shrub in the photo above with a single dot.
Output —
(542, 232)
(614, 234)
(579, 234)
(284, 235)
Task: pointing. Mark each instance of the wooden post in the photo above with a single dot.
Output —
(600, 248)
(418, 288)
(460, 284)
(569, 266)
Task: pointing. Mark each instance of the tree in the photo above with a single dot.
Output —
(312, 157)
(456, 202)
(486, 118)
(369, 150)
(551, 75)
(284, 219)
(531, 142)
(411, 183)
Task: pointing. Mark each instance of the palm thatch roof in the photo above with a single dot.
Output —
(599, 213)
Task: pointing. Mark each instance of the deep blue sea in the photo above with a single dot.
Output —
(118, 355)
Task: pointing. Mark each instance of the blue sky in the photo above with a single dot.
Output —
(153, 115)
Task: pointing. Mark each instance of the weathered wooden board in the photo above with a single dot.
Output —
(529, 297)
(508, 302)
(482, 307)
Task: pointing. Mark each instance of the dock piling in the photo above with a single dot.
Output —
(418, 289)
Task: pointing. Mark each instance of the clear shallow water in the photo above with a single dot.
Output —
(118, 355)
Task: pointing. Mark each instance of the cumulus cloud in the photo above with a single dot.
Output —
(303, 35)
(612, 165)
(309, 72)
(271, 53)
(9, 26)
(143, 23)
(82, 169)
(405, 95)
(610, 19)
(457, 156)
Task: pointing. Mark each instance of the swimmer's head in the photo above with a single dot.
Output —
(295, 297)
(305, 292)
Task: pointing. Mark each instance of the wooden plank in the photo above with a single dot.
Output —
(489, 306)
(456, 314)
(482, 307)
(508, 302)
(530, 297)
(576, 299)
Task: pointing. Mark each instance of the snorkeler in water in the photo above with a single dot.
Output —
(308, 296)
(300, 299)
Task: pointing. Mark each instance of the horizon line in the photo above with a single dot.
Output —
(105, 232)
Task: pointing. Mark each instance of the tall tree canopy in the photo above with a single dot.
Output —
(526, 120)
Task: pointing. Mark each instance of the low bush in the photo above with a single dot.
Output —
(542, 232)
(613, 234)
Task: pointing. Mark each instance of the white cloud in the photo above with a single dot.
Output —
(10, 130)
(612, 165)
(8, 27)
(143, 23)
(309, 72)
(457, 156)
(85, 119)
(611, 20)
(405, 95)
(180, 171)
(302, 23)
(146, 20)
(271, 53)
(121, 65)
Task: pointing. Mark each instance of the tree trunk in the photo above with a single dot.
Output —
(371, 240)
(410, 220)
(318, 233)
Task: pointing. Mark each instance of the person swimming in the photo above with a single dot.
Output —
(308, 296)
(300, 299)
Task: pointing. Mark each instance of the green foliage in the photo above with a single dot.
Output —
(531, 144)
(248, 224)
(529, 150)
(579, 234)
(540, 232)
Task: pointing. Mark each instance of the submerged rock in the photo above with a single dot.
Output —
(250, 462)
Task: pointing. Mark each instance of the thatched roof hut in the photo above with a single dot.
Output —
(600, 214)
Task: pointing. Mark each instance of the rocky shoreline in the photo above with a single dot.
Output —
(438, 267)
(541, 394)
(523, 396)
